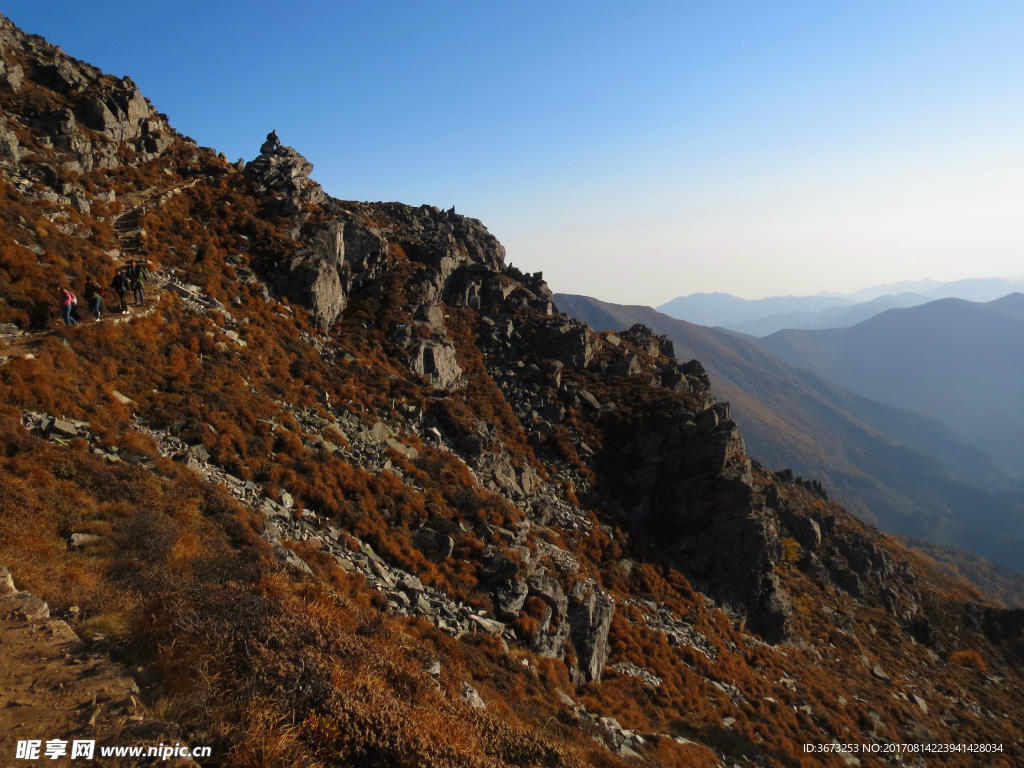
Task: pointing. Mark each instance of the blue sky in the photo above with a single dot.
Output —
(631, 151)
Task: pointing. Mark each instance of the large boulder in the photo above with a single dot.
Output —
(568, 341)
(123, 114)
(433, 544)
(337, 258)
(282, 175)
(436, 360)
(590, 618)
(11, 75)
(279, 169)
(312, 277)
(509, 597)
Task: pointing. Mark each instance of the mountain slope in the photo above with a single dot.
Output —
(958, 361)
(348, 491)
(905, 471)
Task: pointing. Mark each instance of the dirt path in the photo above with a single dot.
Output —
(54, 686)
(131, 245)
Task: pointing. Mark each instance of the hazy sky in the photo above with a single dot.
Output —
(631, 151)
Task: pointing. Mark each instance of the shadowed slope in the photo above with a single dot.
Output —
(905, 471)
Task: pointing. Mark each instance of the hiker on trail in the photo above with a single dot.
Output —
(137, 276)
(121, 287)
(93, 295)
(67, 300)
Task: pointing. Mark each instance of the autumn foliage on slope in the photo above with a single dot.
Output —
(277, 668)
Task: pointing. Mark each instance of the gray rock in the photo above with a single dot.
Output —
(406, 450)
(378, 433)
(437, 361)
(122, 115)
(281, 170)
(6, 582)
(590, 618)
(123, 399)
(82, 540)
(470, 695)
(497, 566)
(199, 452)
(28, 606)
(312, 277)
(550, 591)
(411, 584)
(628, 367)
(11, 75)
(291, 560)
(433, 316)
(433, 544)
(509, 596)
(568, 341)
(489, 626)
(64, 428)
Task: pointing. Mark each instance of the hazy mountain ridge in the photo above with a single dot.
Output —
(349, 491)
(958, 361)
(832, 317)
(726, 310)
(760, 317)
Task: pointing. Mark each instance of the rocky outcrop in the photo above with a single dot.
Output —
(11, 75)
(689, 482)
(1002, 624)
(281, 175)
(568, 341)
(335, 258)
(102, 115)
(436, 361)
(313, 276)
(654, 344)
(123, 114)
(590, 618)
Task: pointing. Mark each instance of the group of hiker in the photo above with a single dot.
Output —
(131, 279)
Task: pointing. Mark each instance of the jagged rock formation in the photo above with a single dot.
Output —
(113, 110)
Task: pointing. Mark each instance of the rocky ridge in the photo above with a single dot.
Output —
(459, 264)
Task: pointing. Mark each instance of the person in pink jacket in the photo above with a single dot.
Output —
(67, 300)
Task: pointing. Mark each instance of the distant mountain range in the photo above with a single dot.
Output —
(961, 362)
(832, 317)
(906, 471)
(761, 317)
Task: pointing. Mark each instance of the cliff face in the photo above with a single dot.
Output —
(442, 523)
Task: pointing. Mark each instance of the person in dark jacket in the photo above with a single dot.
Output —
(137, 276)
(121, 287)
(94, 295)
(67, 301)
